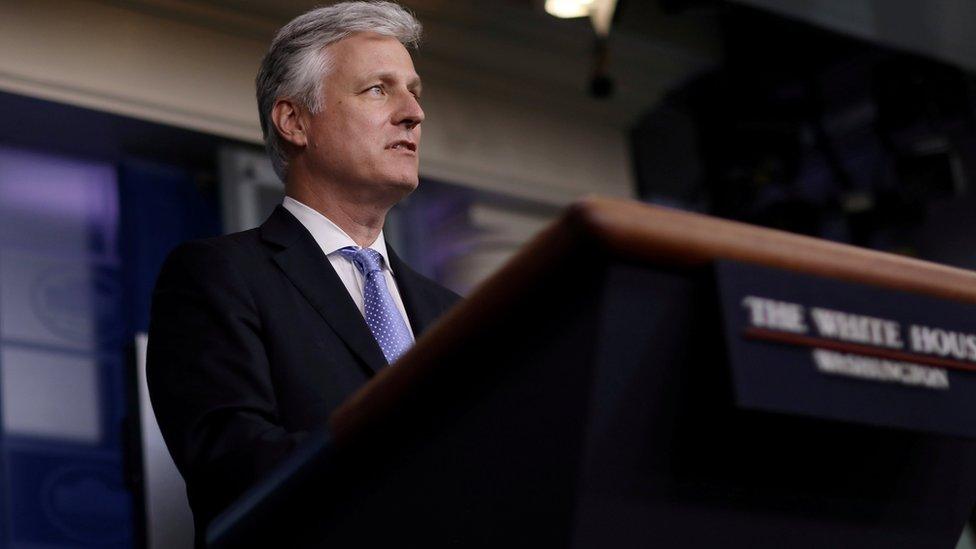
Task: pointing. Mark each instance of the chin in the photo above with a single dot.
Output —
(407, 187)
(407, 182)
(397, 188)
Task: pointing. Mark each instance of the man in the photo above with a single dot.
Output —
(257, 336)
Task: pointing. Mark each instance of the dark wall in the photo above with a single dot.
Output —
(809, 131)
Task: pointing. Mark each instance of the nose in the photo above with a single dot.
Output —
(408, 113)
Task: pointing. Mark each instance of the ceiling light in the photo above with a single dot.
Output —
(568, 8)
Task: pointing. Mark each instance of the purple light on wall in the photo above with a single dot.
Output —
(47, 197)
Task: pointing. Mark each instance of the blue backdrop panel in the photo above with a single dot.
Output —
(68, 499)
(161, 207)
(61, 338)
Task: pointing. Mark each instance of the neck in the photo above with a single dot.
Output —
(362, 221)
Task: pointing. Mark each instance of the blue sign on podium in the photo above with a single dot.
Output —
(820, 347)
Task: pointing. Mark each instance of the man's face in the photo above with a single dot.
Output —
(366, 139)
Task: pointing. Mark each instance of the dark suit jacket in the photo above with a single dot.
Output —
(253, 342)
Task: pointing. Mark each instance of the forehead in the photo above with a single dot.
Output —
(362, 53)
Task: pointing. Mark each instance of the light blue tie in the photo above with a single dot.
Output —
(382, 316)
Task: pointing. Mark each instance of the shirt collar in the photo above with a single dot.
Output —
(329, 236)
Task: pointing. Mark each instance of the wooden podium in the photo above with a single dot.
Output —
(584, 397)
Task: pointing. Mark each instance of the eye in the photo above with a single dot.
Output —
(376, 89)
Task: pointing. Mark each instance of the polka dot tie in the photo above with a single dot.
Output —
(382, 316)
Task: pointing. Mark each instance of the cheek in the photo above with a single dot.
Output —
(344, 144)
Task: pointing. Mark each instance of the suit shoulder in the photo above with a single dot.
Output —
(230, 247)
(227, 244)
(445, 296)
(445, 293)
(211, 256)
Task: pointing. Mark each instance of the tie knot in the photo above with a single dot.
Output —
(367, 260)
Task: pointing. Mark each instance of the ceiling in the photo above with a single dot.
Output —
(941, 29)
(511, 48)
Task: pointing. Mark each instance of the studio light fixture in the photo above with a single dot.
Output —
(600, 12)
(567, 9)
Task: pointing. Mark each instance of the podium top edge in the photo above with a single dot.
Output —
(642, 234)
(654, 234)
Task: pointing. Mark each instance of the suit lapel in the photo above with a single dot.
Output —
(303, 262)
(420, 310)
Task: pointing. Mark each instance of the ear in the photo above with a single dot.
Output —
(287, 118)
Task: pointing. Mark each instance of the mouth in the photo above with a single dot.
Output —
(403, 145)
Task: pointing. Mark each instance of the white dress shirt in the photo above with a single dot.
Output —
(331, 239)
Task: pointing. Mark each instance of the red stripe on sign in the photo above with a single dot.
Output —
(855, 348)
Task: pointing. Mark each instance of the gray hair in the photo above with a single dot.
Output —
(296, 62)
